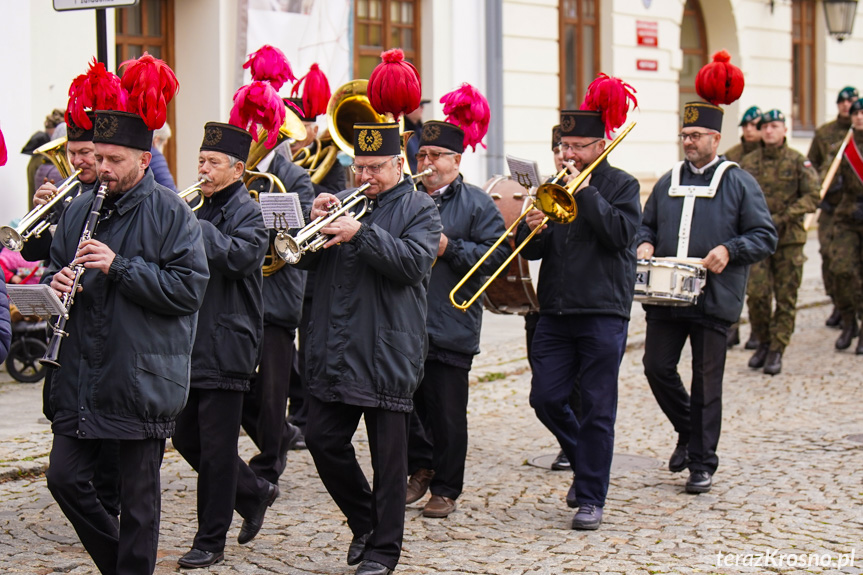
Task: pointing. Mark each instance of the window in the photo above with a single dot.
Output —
(803, 64)
(579, 50)
(693, 44)
(381, 25)
(149, 27)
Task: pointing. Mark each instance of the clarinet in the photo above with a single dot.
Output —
(59, 327)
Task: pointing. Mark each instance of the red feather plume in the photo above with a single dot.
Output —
(151, 84)
(269, 64)
(468, 109)
(610, 96)
(3, 153)
(394, 85)
(258, 103)
(316, 92)
(98, 89)
(720, 82)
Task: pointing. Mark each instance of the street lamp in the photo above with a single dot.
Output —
(840, 17)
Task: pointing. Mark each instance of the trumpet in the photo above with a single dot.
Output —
(311, 238)
(37, 220)
(555, 201)
(59, 328)
(192, 190)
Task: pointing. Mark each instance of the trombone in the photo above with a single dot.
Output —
(38, 219)
(555, 201)
(311, 238)
(192, 190)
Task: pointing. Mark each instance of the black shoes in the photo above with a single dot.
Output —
(732, 338)
(198, 558)
(370, 567)
(357, 548)
(751, 343)
(835, 319)
(679, 459)
(253, 524)
(571, 500)
(561, 462)
(849, 332)
(587, 518)
(760, 356)
(773, 363)
(699, 482)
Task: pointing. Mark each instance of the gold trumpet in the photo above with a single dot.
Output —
(38, 219)
(555, 201)
(311, 238)
(192, 190)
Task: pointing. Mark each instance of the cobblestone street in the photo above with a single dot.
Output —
(789, 480)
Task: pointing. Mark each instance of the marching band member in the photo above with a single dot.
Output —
(125, 363)
(824, 147)
(730, 231)
(581, 333)
(437, 444)
(230, 326)
(846, 264)
(790, 185)
(367, 342)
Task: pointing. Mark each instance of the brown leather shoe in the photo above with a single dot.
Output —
(438, 507)
(418, 484)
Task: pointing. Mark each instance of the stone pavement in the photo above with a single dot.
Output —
(789, 480)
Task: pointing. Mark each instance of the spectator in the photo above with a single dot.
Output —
(5, 323)
(158, 164)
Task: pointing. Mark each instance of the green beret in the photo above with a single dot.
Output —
(847, 93)
(771, 116)
(750, 115)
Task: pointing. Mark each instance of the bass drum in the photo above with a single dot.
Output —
(513, 291)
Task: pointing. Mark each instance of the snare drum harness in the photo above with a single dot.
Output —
(689, 193)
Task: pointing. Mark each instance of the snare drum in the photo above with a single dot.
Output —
(512, 292)
(669, 281)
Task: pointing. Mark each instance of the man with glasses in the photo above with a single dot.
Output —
(581, 333)
(790, 185)
(729, 230)
(437, 445)
(822, 150)
(367, 343)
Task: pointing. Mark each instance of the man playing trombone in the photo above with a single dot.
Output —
(367, 342)
(586, 286)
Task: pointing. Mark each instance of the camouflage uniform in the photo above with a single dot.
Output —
(736, 152)
(790, 186)
(823, 149)
(845, 250)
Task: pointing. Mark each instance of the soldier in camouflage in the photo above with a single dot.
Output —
(847, 242)
(750, 138)
(823, 149)
(790, 186)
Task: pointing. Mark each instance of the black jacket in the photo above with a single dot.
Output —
(737, 218)
(367, 335)
(471, 223)
(588, 266)
(125, 364)
(230, 324)
(284, 290)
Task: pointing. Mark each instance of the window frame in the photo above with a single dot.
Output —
(580, 23)
(804, 112)
(387, 26)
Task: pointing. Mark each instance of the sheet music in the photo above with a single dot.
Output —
(281, 211)
(525, 172)
(35, 299)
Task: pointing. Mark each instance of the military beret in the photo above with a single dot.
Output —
(773, 115)
(857, 105)
(750, 115)
(847, 93)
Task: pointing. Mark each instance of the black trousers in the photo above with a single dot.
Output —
(697, 418)
(298, 412)
(530, 321)
(587, 349)
(206, 437)
(381, 508)
(132, 549)
(438, 427)
(265, 404)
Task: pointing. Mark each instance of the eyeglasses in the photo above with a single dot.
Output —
(373, 169)
(694, 136)
(577, 147)
(433, 156)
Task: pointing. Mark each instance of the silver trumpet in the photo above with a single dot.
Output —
(37, 220)
(311, 238)
(194, 189)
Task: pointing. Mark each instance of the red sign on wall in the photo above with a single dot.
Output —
(647, 65)
(647, 32)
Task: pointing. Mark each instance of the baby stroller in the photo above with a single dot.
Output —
(29, 344)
